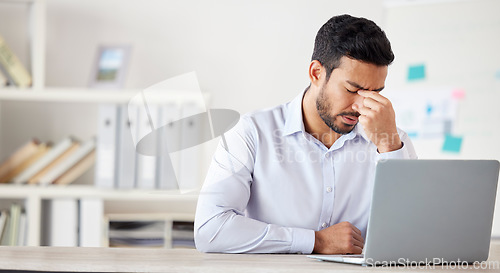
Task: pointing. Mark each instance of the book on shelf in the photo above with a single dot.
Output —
(183, 234)
(19, 156)
(12, 66)
(4, 81)
(76, 170)
(64, 166)
(61, 158)
(23, 229)
(4, 216)
(14, 226)
(6, 231)
(15, 214)
(44, 161)
(43, 148)
(143, 233)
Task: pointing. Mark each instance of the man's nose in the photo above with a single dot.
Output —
(358, 101)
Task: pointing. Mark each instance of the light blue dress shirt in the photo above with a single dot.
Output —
(271, 184)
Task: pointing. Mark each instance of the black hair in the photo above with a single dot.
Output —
(353, 37)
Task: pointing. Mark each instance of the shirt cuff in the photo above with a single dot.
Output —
(402, 153)
(302, 241)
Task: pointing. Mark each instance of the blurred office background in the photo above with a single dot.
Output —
(250, 55)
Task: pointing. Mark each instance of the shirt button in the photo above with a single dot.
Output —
(327, 155)
(328, 189)
(324, 225)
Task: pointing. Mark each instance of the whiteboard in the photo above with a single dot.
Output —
(458, 44)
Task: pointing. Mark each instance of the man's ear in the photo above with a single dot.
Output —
(316, 72)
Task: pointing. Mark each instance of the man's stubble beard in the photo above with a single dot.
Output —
(323, 107)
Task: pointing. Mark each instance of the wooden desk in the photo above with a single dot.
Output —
(177, 260)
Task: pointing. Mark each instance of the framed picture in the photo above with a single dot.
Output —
(110, 66)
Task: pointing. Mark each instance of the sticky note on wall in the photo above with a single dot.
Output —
(497, 75)
(416, 72)
(452, 143)
(458, 94)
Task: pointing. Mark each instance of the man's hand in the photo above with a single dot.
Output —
(379, 121)
(341, 238)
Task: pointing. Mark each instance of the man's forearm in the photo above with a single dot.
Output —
(229, 232)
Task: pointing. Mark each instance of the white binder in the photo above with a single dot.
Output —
(63, 222)
(126, 161)
(168, 162)
(91, 222)
(146, 164)
(105, 170)
(190, 161)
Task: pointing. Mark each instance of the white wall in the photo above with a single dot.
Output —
(247, 54)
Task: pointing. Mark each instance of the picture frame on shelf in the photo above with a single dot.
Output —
(110, 66)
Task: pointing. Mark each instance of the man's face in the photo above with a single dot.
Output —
(338, 95)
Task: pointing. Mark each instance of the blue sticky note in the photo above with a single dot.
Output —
(412, 134)
(452, 143)
(416, 72)
(497, 75)
(429, 109)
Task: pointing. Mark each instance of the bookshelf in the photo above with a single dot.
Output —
(174, 203)
(85, 95)
(37, 34)
(32, 197)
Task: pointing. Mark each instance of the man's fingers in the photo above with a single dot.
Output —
(364, 111)
(356, 250)
(374, 95)
(356, 234)
(359, 250)
(372, 104)
(359, 238)
(356, 229)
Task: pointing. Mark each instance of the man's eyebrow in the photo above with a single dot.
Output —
(362, 88)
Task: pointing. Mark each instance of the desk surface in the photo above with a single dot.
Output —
(179, 260)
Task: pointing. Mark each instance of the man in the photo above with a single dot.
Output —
(298, 178)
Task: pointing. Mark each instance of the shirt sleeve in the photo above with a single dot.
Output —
(220, 221)
(406, 152)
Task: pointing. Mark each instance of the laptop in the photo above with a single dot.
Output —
(428, 212)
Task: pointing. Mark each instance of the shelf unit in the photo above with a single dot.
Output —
(114, 201)
(33, 195)
(167, 220)
(85, 95)
(37, 33)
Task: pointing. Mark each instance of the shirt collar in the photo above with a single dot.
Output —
(294, 122)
